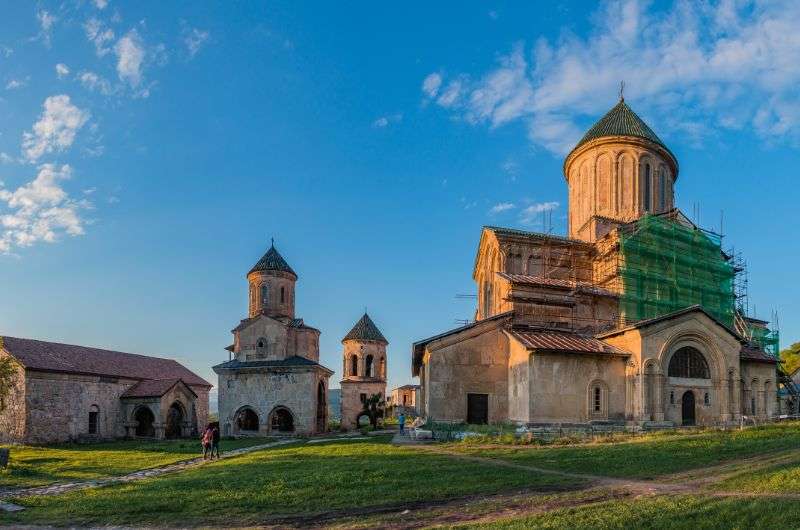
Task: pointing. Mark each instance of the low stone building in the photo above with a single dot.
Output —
(273, 382)
(364, 369)
(63, 392)
(631, 317)
(405, 399)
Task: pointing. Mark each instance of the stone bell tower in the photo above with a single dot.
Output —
(272, 283)
(364, 368)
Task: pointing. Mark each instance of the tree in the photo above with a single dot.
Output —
(8, 373)
(791, 358)
(373, 409)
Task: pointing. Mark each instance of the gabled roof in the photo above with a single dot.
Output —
(294, 361)
(365, 329)
(552, 340)
(621, 121)
(153, 388)
(68, 358)
(755, 354)
(272, 261)
(668, 316)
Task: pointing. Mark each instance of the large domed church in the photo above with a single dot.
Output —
(632, 317)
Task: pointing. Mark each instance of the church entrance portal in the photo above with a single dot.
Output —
(247, 421)
(281, 420)
(144, 419)
(478, 408)
(687, 408)
(175, 419)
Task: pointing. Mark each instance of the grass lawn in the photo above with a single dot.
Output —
(651, 455)
(690, 512)
(779, 478)
(38, 466)
(305, 479)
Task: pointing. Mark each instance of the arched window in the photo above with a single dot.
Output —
(647, 190)
(662, 192)
(672, 397)
(706, 399)
(261, 346)
(369, 366)
(282, 295)
(94, 412)
(688, 362)
(353, 365)
(598, 400)
(264, 294)
(598, 403)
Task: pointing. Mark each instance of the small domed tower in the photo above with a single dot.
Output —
(618, 172)
(364, 368)
(272, 283)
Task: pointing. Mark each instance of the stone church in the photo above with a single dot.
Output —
(633, 317)
(273, 382)
(63, 392)
(363, 369)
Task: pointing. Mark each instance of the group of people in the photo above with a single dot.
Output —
(210, 441)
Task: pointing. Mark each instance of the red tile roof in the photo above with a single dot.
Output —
(152, 388)
(751, 353)
(552, 340)
(68, 358)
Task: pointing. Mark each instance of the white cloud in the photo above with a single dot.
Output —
(46, 22)
(40, 210)
(385, 121)
(93, 82)
(431, 84)
(56, 128)
(62, 70)
(5, 158)
(99, 35)
(501, 207)
(194, 39)
(101, 4)
(16, 83)
(693, 69)
(530, 215)
(130, 58)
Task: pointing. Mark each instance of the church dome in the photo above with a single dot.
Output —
(621, 121)
(272, 261)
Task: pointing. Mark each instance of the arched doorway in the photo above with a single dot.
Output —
(247, 420)
(281, 420)
(175, 418)
(144, 422)
(687, 408)
(322, 408)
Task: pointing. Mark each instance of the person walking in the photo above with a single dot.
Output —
(215, 441)
(401, 419)
(205, 441)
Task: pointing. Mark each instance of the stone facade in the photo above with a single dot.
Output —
(49, 406)
(273, 382)
(550, 343)
(364, 368)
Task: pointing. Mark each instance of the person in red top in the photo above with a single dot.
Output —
(206, 439)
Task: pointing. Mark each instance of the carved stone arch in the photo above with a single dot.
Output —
(703, 343)
(603, 176)
(597, 400)
(626, 162)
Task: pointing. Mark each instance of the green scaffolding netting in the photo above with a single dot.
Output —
(768, 339)
(666, 266)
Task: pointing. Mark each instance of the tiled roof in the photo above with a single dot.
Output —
(752, 353)
(152, 388)
(499, 230)
(68, 358)
(621, 121)
(553, 340)
(524, 279)
(294, 360)
(272, 261)
(667, 316)
(365, 329)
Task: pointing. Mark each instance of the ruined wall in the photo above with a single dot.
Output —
(12, 419)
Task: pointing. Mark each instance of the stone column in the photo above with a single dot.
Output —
(721, 390)
(658, 406)
(737, 398)
(160, 429)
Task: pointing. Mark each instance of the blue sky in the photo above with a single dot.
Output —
(148, 153)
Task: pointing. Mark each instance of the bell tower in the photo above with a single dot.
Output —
(272, 283)
(364, 368)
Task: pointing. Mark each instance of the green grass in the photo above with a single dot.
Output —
(651, 455)
(688, 512)
(779, 478)
(38, 466)
(303, 479)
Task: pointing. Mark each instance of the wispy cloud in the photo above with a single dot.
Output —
(15, 84)
(101, 4)
(99, 35)
(130, 58)
(39, 211)
(698, 67)
(385, 121)
(501, 207)
(56, 128)
(62, 70)
(46, 22)
(93, 82)
(530, 215)
(194, 39)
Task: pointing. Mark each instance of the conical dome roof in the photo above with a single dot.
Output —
(621, 121)
(365, 329)
(272, 261)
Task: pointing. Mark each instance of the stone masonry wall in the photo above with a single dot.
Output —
(12, 419)
(351, 399)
